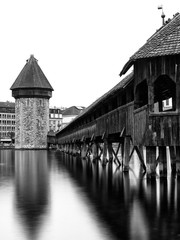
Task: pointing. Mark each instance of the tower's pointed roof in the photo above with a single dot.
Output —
(31, 77)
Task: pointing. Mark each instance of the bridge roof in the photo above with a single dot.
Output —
(123, 83)
(31, 76)
(165, 41)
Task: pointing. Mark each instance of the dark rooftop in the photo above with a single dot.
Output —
(123, 83)
(7, 104)
(165, 41)
(74, 110)
(31, 77)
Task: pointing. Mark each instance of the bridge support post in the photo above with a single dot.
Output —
(172, 151)
(71, 148)
(178, 160)
(83, 150)
(105, 148)
(66, 148)
(151, 160)
(126, 158)
(162, 161)
(74, 149)
(110, 151)
(95, 151)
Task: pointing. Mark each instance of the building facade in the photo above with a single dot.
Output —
(7, 121)
(58, 117)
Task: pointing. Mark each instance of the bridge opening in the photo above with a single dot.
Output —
(164, 94)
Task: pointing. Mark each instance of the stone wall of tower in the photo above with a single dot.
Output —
(32, 119)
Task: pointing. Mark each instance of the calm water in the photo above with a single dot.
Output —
(49, 196)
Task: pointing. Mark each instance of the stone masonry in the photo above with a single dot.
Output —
(32, 118)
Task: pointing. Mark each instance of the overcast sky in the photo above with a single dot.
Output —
(81, 45)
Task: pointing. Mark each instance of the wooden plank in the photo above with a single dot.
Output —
(126, 154)
(172, 151)
(162, 161)
(151, 161)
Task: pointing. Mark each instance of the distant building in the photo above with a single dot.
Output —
(58, 118)
(7, 121)
(70, 113)
(55, 119)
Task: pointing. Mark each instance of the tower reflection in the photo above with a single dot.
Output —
(31, 188)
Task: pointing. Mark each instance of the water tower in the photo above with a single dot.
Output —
(32, 92)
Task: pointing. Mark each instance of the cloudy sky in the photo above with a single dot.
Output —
(81, 45)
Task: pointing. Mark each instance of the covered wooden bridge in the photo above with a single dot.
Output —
(141, 112)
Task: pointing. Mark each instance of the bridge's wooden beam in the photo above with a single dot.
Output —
(178, 160)
(151, 160)
(115, 153)
(83, 150)
(172, 150)
(105, 149)
(110, 151)
(95, 151)
(126, 158)
(139, 151)
(162, 161)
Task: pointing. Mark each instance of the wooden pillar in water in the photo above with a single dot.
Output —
(105, 148)
(95, 151)
(178, 160)
(74, 149)
(67, 148)
(172, 151)
(71, 148)
(110, 151)
(162, 161)
(126, 153)
(151, 160)
(83, 150)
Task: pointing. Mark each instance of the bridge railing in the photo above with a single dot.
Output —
(140, 124)
(165, 126)
(110, 123)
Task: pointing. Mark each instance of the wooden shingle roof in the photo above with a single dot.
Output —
(166, 41)
(31, 77)
(122, 84)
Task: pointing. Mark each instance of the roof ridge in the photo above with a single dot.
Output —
(31, 76)
(158, 36)
(157, 45)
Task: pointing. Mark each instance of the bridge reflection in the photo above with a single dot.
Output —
(132, 206)
(127, 205)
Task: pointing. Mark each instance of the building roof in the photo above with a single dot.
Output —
(31, 77)
(72, 111)
(122, 84)
(55, 110)
(7, 104)
(166, 41)
(7, 107)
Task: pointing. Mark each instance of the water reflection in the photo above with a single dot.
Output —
(6, 166)
(131, 207)
(50, 195)
(31, 188)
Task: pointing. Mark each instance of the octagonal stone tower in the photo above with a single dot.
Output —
(31, 91)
